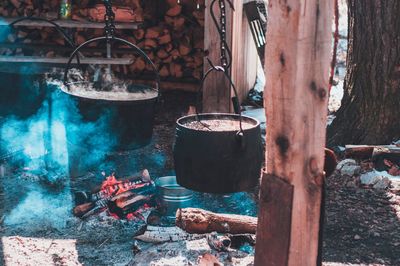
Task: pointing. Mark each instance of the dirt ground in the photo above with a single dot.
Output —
(362, 225)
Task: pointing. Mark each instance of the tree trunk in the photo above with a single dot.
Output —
(370, 105)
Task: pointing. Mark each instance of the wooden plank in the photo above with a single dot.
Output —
(41, 47)
(277, 197)
(68, 24)
(244, 53)
(217, 93)
(297, 72)
(216, 90)
(64, 60)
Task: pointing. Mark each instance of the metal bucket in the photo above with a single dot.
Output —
(172, 195)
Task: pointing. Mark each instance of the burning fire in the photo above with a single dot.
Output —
(125, 198)
(113, 187)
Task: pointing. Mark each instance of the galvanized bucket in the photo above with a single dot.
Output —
(172, 196)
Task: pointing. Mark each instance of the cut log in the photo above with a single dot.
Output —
(168, 47)
(174, 11)
(164, 39)
(153, 32)
(139, 34)
(122, 14)
(150, 43)
(164, 72)
(184, 46)
(176, 22)
(199, 221)
(162, 54)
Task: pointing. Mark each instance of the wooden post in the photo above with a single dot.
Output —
(297, 71)
(216, 93)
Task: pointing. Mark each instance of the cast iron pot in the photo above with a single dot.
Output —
(217, 161)
(130, 120)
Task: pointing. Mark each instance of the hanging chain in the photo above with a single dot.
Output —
(222, 20)
(109, 18)
(225, 52)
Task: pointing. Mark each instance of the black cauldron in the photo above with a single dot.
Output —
(130, 121)
(217, 161)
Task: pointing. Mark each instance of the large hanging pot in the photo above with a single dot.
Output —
(129, 120)
(218, 153)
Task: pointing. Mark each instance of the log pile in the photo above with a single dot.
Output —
(172, 34)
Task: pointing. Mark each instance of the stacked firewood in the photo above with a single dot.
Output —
(174, 43)
(172, 34)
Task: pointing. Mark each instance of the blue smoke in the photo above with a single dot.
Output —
(53, 129)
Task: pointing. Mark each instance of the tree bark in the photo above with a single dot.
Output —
(370, 105)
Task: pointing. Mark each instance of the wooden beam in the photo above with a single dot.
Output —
(244, 53)
(217, 93)
(64, 60)
(296, 94)
(67, 23)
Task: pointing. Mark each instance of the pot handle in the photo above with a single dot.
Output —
(133, 46)
(218, 69)
(50, 22)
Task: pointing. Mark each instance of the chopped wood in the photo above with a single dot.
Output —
(164, 39)
(164, 72)
(162, 54)
(122, 14)
(139, 34)
(200, 221)
(174, 11)
(150, 43)
(153, 32)
(184, 46)
(171, 46)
